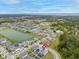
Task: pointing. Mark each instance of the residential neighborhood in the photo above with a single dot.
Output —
(35, 48)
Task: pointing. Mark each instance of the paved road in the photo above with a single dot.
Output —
(54, 53)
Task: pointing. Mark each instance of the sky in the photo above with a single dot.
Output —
(38, 6)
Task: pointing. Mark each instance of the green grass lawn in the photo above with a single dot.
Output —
(48, 56)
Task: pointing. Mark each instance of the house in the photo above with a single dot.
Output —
(2, 40)
(8, 44)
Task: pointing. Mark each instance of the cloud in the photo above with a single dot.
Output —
(68, 10)
(76, 1)
(10, 1)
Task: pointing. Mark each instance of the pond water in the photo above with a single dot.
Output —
(16, 35)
